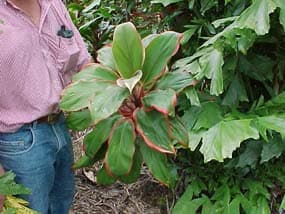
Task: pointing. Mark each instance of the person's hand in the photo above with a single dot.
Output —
(2, 197)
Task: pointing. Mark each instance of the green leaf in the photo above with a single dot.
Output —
(103, 178)
(163, 101)
(133, 175)
(84, 161)
(95, 71)
(219, 22)
(235, 93)
(192, 95)
(176, 81)
(195, 138)
(256, 17)
(189, 33)
(212, 64)
(178, 131)
(93, 4)
(157, 164)
(79, 121)
(9, 187)
(105, 57)
(148, 39)
(273, 122)
(222, 139)
(158, 53)
(77, 95)
(282, 205)
(272, 149)
(127, 50)
(209, 115)
(99, 135)
(153, 127)
(119, 157)
(107, 102)
(282, 12)
(165, 2)
(251, 155)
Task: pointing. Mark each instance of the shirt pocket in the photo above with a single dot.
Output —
(68, 54)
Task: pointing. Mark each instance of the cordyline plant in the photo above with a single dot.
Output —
(129, 101)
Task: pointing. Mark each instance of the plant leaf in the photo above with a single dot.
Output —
(131, 82)
(84, 161)
(9, 187)
(157, 54)
(272, 149)
(157, 164)
(105, 57)
(133, 175)
(127, 50)
(165, 2)
(163, 101)
(77, 95)
(178, 131)
(99, 135)
(95, 71)
(222, 139)
(192, 96)
(103, 178)
(176, 81)
(273, 122)
(119, 157)
(153, 127)
(107, 102)
(79, 121)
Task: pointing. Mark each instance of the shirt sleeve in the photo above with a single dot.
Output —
(84, 56)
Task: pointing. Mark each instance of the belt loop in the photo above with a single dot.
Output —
(34, 124)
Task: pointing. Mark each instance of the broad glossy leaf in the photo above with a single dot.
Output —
(148, 39)
(127, 50)
(178, 131)
(251, 155)
(95, 71)
(176, 81)
(210, 115)
(195, 138)
(221, 140)
(106, 58)
(189, 33)
(272, 149)
(273, 122)
(99, 135)
(212, 64)
(163, 101)
(256, 17)
(192, 95)
(133, 175)
(79, 120)
(157, 164)
(165, 2)
(119, 157)
(154, 128)
(158, 53)
(107, 102)
(77, 96)
(84, 161)
(103, 178)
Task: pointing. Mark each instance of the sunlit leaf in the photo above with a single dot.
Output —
(106, 58)
(165, 2)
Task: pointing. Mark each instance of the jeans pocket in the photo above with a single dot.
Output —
(17, 143)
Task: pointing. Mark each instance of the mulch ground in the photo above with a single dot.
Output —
(146, 196)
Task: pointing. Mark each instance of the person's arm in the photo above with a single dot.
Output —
(2, 197)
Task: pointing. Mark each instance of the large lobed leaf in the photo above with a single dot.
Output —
(222, 139)
(127, 50)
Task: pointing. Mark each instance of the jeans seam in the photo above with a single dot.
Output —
(57, 138)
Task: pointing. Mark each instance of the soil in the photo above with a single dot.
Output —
(146, 196)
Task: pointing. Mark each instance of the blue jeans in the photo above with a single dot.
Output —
(41, 156)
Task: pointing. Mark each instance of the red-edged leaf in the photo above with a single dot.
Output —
(79, 120)
(133, 175)
(158, 52)
(157, 164)
(95, 71)
(153, 127)
(95, 139)
(163, 101)
(103, 178)
(119, 157)
(127, 50)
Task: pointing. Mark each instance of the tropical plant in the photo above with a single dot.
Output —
(13, 205)
(129, 100)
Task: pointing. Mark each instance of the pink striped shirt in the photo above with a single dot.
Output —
(35, 63)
